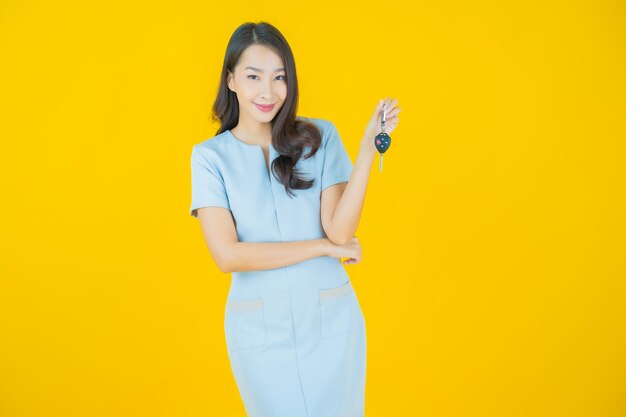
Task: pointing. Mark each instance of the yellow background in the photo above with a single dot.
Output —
(493, 269)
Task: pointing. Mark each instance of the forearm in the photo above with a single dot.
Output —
(347, 215)
(253, 256)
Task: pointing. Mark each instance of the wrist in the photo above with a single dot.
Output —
(368, 148)
(324, 246)
(367, 138)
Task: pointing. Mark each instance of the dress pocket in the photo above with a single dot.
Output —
(337, 310)
(245, 324)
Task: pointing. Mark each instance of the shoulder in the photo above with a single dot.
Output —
(212, 144)
(323, 124)
(326, 127)
(211, 148)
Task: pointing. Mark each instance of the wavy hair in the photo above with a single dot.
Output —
(289, 136)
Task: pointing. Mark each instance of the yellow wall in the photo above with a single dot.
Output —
(493, 274)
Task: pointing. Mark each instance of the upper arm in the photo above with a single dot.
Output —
(336, 164)
(207, 184)
(209, 203)
(220, 232)
(336, 171)
(329, 199)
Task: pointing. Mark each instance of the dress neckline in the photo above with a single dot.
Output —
(245, 143)
(260, 148)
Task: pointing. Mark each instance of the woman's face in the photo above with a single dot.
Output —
(259, 78)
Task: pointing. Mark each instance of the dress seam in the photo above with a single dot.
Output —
(293, 329)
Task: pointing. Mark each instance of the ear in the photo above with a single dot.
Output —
(229, 80)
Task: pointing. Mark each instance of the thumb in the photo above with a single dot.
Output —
(379, 107)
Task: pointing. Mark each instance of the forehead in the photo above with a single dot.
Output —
(260, 56)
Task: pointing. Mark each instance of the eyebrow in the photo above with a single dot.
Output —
(260, 70)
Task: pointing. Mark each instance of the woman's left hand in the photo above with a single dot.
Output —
(374, 126)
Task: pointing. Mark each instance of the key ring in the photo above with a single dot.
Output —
(384, 117)
(382, 140)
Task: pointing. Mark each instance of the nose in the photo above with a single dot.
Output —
(266, 90)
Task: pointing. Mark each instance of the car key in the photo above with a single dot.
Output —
(382, 140)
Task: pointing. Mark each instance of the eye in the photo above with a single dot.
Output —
(252, 75)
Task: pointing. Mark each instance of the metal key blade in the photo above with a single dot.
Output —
(380, 165)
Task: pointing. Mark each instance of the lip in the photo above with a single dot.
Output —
(265, 108)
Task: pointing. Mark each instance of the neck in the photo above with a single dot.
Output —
(253, 132)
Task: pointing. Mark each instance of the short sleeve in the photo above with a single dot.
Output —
(337, 165)
(207, 186)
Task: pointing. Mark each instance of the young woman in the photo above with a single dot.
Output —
(279, 202)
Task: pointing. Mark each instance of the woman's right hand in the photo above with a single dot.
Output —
(351, 250)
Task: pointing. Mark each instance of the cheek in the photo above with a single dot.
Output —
(247, 84)
(247, 90)
(282, 90)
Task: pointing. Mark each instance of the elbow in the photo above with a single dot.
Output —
(342, 241)
(340, 233)
(224, 263)
(338, 239)
(224, 268)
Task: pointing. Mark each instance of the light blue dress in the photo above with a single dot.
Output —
(295, 335)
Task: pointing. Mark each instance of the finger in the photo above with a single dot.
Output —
(393, 122)
(392, 119)
(379, 108)
(394, 112)
(387, 104)
(390, 104)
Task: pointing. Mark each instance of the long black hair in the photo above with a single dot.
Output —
(289, 136)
